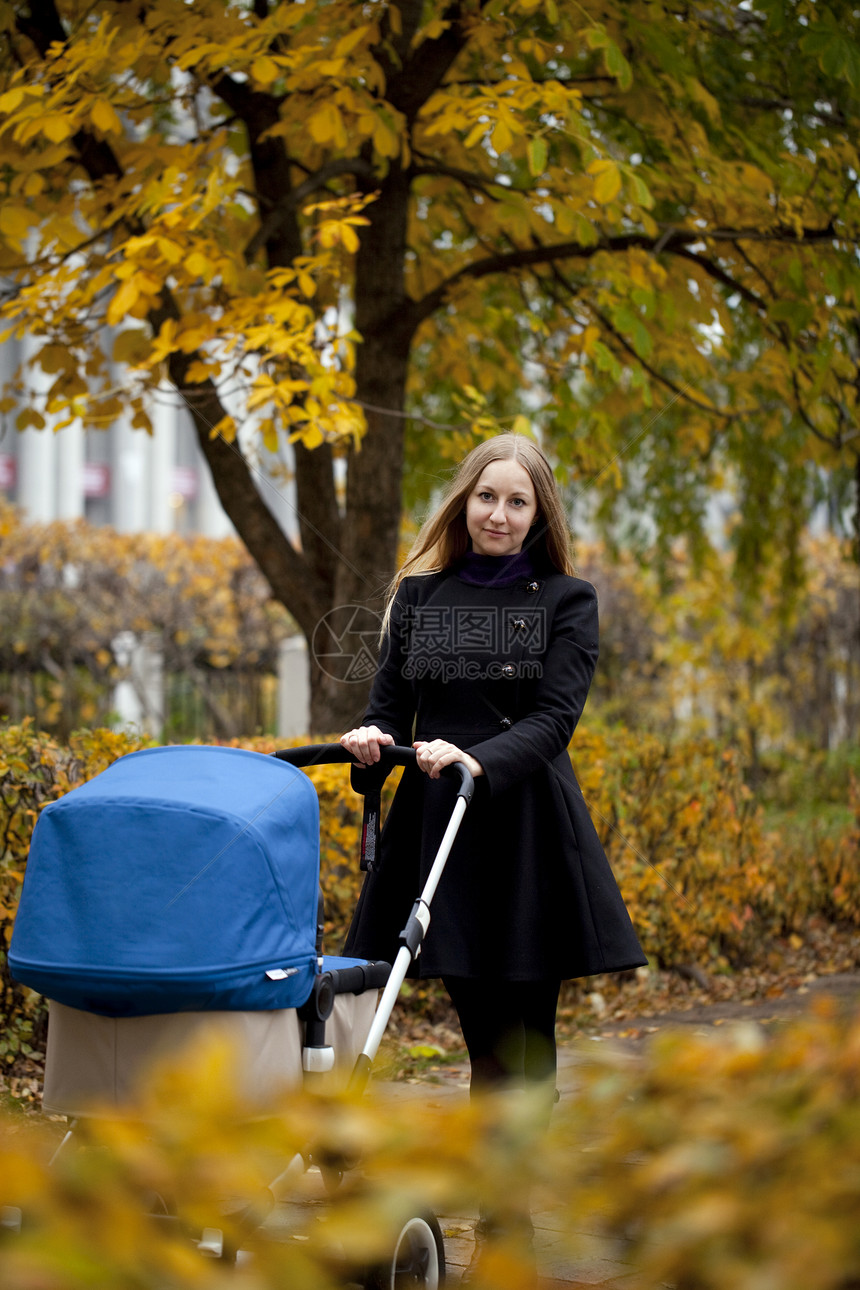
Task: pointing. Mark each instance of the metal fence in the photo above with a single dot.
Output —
(196, 704)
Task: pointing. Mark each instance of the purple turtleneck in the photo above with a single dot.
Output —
(494, 570)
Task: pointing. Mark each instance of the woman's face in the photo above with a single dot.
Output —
(501, 509)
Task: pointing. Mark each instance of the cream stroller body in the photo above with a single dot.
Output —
(178, 891)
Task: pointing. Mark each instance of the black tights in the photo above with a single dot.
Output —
(509, 1028)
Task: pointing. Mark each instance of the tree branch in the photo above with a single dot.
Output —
(44, 28)
(409, 86)
(719, 274)
(481, 183)
(672, 240)
(834, 442)
(682, 391)
(277, 218)
(283, 567)
(259, 113)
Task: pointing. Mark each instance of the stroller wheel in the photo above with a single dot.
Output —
(418, 1258)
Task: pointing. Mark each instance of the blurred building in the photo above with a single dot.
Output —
(139, 482)
(121, 476)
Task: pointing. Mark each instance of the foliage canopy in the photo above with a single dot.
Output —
(318, 217)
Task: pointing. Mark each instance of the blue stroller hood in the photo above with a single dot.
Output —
(180, 879)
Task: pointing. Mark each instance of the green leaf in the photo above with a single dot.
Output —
(537, 152)
(597, 37)
(836, 54)
(618, 66)
(793, 312)
(605, 360)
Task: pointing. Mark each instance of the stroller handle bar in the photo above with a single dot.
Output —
(391, 755)
(419, 920)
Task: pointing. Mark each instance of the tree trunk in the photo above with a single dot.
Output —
(371, 524)
(335, 586)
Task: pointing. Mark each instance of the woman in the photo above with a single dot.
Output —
(489, 647)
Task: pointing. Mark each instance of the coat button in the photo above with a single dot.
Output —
(509, 670)
(506, 723)
(518, 624)
(532, 587)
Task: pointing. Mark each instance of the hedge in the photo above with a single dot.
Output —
(733, 1162)
(727, 1161)
(705, 883)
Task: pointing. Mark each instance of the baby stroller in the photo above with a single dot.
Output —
(177, 892)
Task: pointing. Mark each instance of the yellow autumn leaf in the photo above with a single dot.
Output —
(170, 250)
(198, 372)
(265, 70)
(434, 29)
(11, 100)
(607, 180)
(270, 435)
(476, 133)
(165, 341)
(191, 338)
(326, 124)
(66, 232)
(385, 140)
(502, 138)
(122, 303)
(105, 118)
(30, 417)
(131, 346)
(55, 127)
(311, 435)
(328, 235)
(349, 238)
(14, 220)
(307, 284)
(53, 358)
(590, 337)
(347, 43)
(198, 265)
(225, 429)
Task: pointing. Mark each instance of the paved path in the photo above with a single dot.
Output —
(599, 1262)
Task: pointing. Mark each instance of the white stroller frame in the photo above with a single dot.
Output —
(93, 1058)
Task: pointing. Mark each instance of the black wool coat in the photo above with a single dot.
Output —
(503, 672)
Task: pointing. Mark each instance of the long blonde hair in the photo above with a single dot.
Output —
(444, 538)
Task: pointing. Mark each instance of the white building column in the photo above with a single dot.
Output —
(37, 453)
(211, 518)
(8, 360)
(70, 472)
(293, 688)
(162, 449)
(129, 477)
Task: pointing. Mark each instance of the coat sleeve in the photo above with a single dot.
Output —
(391, 706)
(567, 668)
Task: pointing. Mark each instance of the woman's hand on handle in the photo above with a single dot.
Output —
(364, 743)
(434, 756)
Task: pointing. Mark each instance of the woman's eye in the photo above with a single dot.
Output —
(518, 501)
(485, 497)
